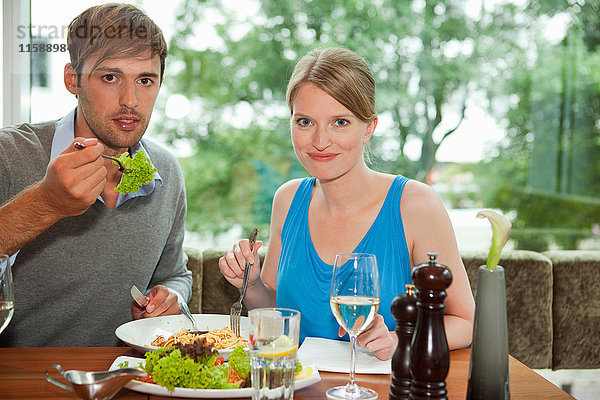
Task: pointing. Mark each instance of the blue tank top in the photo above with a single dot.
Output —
(304, 280)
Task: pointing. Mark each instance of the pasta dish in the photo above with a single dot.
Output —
(222, 338)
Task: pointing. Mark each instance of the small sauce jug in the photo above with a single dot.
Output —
(95, 385)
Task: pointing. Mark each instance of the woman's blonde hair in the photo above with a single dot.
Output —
(342, 74)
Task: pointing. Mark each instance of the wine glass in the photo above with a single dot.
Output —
(6, 292)
(354, 300)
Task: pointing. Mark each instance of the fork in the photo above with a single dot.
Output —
(81, 146)
(121, 167)
(236, 308)
(186, 311)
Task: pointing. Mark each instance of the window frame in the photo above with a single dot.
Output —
(15, 65)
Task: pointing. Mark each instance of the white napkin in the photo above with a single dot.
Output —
(334, 356)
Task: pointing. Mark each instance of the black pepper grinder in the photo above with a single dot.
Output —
(404, 310)
(429, 354)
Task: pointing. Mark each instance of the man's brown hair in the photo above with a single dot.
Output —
(113, 30)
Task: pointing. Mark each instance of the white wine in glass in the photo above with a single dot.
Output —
(6, 293)
(354, 300)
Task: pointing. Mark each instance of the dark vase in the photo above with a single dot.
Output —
(488, 370)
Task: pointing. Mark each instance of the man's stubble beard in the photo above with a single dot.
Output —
(102, 129)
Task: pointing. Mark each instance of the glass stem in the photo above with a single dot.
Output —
(352, 360)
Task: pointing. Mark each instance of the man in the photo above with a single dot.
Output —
(77, 246)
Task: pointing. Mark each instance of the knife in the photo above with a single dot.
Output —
(138, 296)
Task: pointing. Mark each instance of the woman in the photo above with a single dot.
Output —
(347, 207)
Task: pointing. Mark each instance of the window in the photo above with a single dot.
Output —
(15, 63)
(39, 63)
(493, 103)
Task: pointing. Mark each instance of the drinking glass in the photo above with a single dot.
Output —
(274, 334)
(6, 292)
(354, 300)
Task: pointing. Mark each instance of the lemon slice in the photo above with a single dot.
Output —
(305, 373)
(282, 346)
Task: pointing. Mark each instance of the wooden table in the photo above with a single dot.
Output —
(22, 375)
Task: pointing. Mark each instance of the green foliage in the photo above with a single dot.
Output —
(430, 59)
(547, 219)
(423, 57)
(232, 179)
(547, 168)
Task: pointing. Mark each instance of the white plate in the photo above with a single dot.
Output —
(140, 333)
(151, 388)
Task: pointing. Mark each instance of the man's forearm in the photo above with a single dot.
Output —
(25, 217)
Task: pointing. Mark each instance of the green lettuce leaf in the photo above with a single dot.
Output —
(171, 369)
(239, 361)
(141, 173)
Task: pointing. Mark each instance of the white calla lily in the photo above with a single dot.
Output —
(500, 232)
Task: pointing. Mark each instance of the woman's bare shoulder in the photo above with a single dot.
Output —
(285, 193)
(282, 201)
(418, 196)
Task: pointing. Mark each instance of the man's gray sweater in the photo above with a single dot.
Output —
(72, 282)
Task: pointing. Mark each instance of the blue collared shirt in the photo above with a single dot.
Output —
(64, 134)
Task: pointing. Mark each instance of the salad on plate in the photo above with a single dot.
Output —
(198, 365)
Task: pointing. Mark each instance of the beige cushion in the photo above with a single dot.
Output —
(217, 293)
(576, 309)
(195, 265)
